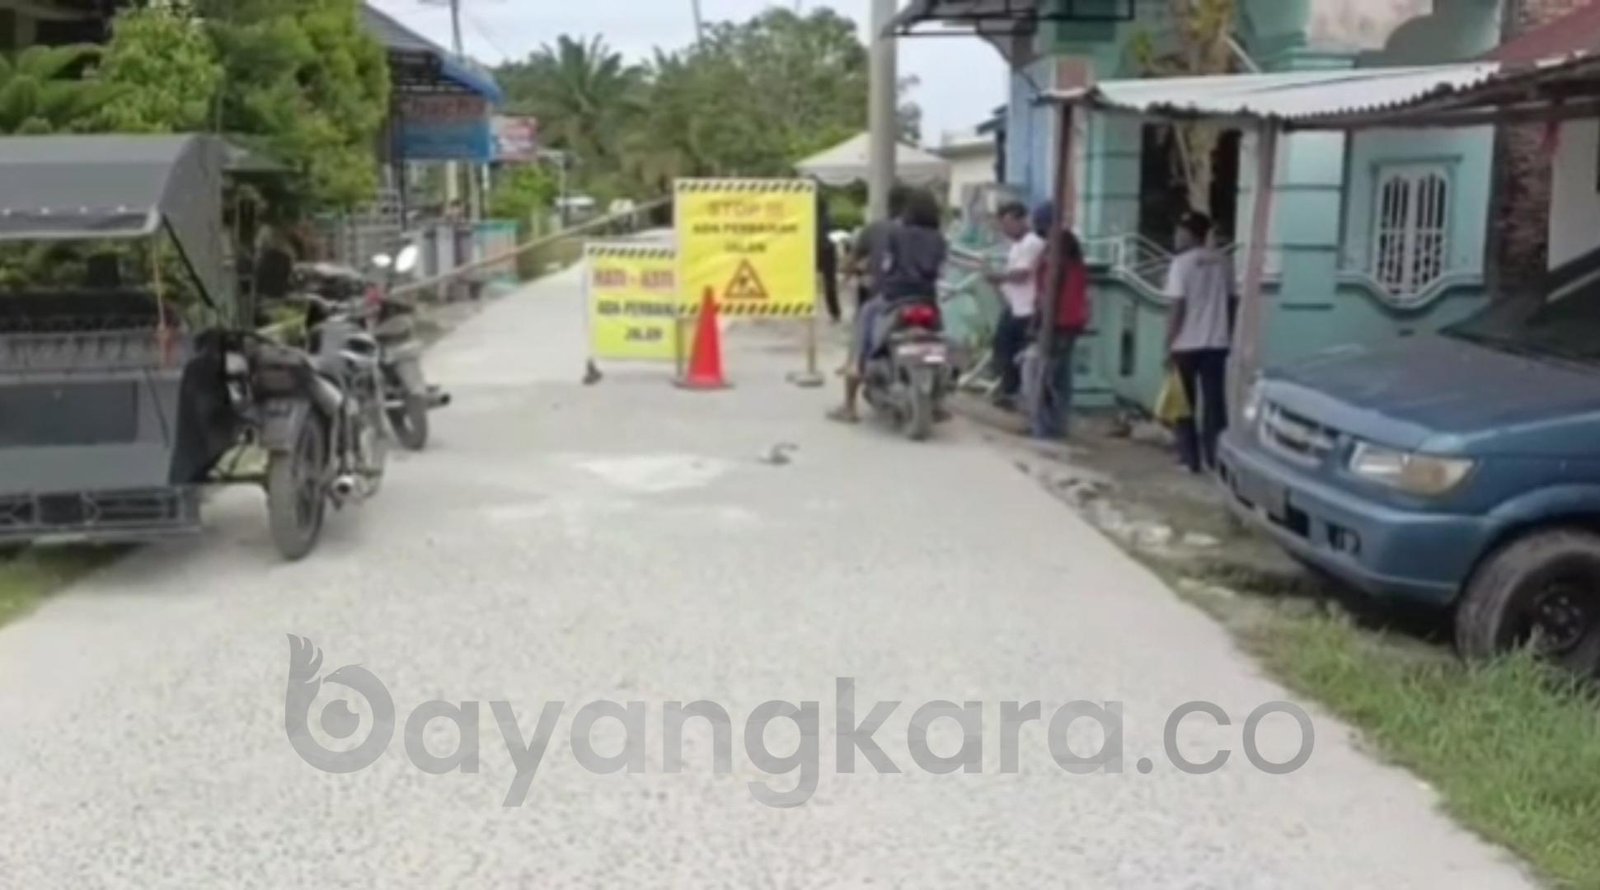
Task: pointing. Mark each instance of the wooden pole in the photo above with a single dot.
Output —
(1049, 299)
(1251, 327)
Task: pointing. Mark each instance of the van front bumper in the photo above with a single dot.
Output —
(1380, 549)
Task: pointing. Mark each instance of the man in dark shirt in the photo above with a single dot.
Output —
(870, 251)
(914, 252)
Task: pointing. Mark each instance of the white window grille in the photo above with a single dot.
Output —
(1411, 233)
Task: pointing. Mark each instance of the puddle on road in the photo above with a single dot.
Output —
(656, 473)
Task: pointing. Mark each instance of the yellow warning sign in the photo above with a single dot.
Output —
(746, 285)
(751, 242)
(633, 301)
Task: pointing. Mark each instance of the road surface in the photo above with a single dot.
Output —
(631, 542)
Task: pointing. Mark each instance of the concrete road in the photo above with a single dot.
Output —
(631, 542)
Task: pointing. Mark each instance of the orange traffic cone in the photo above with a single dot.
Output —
(705, 362)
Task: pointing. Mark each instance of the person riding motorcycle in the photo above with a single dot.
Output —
(915, 256)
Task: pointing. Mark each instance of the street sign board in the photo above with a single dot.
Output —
(516, 139)
(751, 242)
(633, 301)
(445, 127)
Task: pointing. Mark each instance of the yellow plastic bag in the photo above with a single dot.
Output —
(1172, 403)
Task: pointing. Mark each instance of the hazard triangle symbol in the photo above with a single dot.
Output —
(746, 284)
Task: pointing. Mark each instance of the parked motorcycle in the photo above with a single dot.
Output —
(393, 322)
(321, 419)
(909, 374)
(411, 397)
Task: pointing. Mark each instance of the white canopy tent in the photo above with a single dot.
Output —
(847, 163)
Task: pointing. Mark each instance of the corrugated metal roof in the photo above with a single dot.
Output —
(1288, 96)
(397, 38)
(1575, 34)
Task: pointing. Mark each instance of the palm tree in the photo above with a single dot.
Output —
(583, 93)
(41, 90)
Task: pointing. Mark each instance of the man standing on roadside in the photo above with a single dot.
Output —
(1199, 335)
(1019, 285)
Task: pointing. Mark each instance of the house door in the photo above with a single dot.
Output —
(1164, 189)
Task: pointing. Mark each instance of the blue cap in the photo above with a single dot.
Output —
(1044, 218)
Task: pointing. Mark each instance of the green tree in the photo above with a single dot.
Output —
(783, 86)
(305, 82)
(42, 89)
(749, 99)
(584, 94)
(521, 192)
(165, 70)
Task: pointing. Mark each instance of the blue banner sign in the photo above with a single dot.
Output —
(446, 128)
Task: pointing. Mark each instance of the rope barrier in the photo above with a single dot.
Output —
(544, 241)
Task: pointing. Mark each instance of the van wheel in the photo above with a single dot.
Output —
(1542, 590)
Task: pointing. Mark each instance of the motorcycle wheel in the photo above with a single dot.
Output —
(296, 500)
(375, 447)
(411, 423)
(919, 413)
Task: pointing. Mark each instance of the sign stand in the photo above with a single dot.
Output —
(679, 359)
(810, 378)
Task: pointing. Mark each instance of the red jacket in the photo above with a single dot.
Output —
(1072, 304)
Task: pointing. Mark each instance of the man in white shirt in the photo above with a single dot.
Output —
(1199, 336)
(1019, 285)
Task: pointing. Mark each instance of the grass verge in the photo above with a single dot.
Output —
(1512, 747)
(27, 577)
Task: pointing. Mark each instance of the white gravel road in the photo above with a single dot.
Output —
(628, 542)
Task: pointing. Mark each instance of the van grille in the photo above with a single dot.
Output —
(1296, 436)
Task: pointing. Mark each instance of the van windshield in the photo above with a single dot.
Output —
(1563, 330)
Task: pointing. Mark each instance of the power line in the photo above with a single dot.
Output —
(487, 34)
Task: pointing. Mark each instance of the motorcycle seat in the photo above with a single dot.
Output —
(330, 366)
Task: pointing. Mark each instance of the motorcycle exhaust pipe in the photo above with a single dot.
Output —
(345, 487)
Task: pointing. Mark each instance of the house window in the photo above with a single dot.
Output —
(1412, 229)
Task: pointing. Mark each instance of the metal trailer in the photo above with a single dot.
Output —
(115, 402)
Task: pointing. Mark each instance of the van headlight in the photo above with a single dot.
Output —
(1420, 474)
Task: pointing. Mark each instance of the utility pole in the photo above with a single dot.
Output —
(882, 110)
(455, 29)
(473, 185)
(699, 21)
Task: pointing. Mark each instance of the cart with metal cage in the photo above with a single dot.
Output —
(127, 365)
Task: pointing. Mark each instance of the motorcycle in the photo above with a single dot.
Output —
(910, 373)
(393, 322)
(320, 417)
(411, 397)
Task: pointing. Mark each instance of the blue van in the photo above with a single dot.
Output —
(1459, 468)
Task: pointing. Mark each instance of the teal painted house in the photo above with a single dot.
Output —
(1373, 234)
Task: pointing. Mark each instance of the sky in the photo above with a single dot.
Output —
(962, 80)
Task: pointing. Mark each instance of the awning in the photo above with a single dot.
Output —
(849, 162)
(119, 186)
(1291, 96)
(1462, 95)
(1002, 18)
(419, 63)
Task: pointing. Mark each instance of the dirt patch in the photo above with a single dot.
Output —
(1124, 478)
